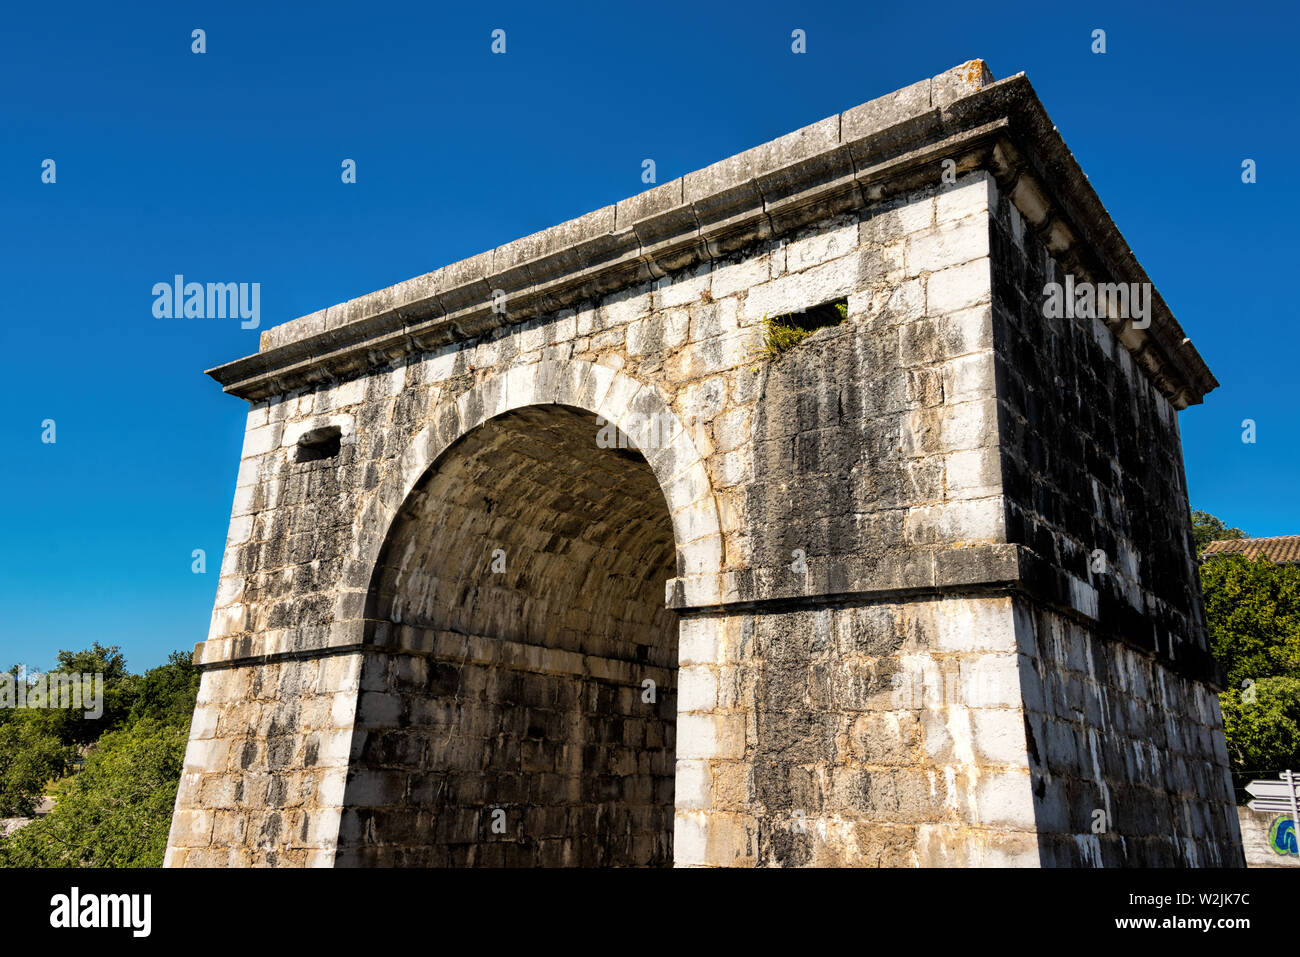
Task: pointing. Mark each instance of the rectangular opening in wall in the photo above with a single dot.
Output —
(320, 444)
(782, 333)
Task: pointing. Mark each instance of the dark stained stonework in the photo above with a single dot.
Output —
(1092, 463)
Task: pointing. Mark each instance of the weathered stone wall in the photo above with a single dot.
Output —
(491, 753)
(1127, 747)
(875, 454)
(1128, 757)
(1091, 458)
(266, 765)
(875, 444)
(874, 733)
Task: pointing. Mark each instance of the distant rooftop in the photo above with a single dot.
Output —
(1278, 548)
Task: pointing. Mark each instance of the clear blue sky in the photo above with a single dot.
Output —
(225, 167)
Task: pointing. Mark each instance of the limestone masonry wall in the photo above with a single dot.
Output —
(1128, 758)
(881, 734)
(266, 765)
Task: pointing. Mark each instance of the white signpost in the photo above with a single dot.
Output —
(1277, 797)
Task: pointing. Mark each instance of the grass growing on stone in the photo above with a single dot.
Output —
(783, 333)
(779, 338)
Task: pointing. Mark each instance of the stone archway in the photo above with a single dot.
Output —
(618, 399)
(898, 499)
(518, 692)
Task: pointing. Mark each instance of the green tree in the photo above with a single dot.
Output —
(120, 689)
(1252, 610)
(1263, 730)
(106, 660)
(116, 812)
(1206, 528)
(167, 693)
(30, 757)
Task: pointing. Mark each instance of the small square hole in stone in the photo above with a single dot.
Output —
(320, 444)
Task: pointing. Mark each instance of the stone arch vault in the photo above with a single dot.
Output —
(861, 572)
(519, 677)
(627, 404)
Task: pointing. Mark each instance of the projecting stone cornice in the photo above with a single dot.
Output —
(848, 161)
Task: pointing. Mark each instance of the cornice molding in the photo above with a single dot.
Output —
(845, 162)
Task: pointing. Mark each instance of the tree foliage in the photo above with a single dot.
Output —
(116, 811)
(1207, 528)
(1263, 731)
(1252, 610)
(73, 726)
(167, 693)
(30, 757)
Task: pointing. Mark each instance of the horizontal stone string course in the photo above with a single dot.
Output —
(602, 580)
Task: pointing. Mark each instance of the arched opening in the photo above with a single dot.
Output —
(518, 698)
